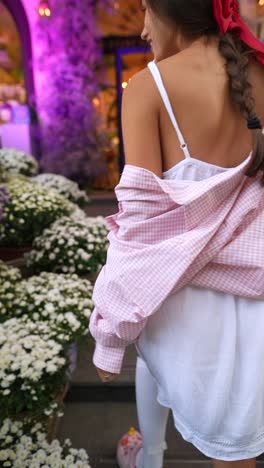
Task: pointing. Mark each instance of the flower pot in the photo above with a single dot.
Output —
(10, 254)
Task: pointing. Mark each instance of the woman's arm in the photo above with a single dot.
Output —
(140, 123)
(140, 126)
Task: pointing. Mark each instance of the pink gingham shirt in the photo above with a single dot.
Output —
(166, 235)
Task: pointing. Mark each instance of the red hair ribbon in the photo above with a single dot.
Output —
(228, 19)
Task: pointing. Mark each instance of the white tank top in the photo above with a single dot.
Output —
(190, 168)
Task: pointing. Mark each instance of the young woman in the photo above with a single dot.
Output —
(194, 304)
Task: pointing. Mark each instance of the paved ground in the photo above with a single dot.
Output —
(103, 203)
(168, 464)
(97, 427)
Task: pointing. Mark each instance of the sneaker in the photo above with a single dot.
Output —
(128, 448)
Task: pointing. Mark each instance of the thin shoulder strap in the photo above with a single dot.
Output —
(157, 77)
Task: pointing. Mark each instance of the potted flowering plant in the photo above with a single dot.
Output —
(41, 318)
(71, 246)
(18, 162)
(65, 187)
(33, 367)
(63, 301)
(30, 209)
(23, 445)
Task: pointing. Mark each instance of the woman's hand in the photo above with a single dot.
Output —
(105, 376)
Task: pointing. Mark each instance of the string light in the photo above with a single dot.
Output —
(44, 9)
(261, 2)
(96, 102)
(124, 84)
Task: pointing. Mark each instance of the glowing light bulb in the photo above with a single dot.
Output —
(116, 140)
(96, 102)
(124, 84)
(44, 8)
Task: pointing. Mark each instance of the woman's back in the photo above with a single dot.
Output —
(211, 123)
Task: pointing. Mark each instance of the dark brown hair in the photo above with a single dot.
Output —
(195, 18)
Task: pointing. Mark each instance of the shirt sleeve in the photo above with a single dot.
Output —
(113, 325)
(108, 359)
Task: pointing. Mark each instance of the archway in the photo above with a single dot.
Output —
(28, 137)
(17, 11)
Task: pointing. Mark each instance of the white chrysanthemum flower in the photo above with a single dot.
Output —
(18, 162)
(31, 358)
(34, 451)
(63, 302)
(3, 455)
(36, 205)
(71, 246)
(64, 187)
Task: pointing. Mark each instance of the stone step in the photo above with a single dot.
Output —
(168, 464)
(103, 203)
(97, 427)
(102, 196)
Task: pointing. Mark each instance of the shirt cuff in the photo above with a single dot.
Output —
(109, 359)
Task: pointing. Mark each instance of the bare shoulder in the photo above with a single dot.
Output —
(142, 89)
(140, 123)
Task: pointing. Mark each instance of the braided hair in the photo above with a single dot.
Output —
(237, 56)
